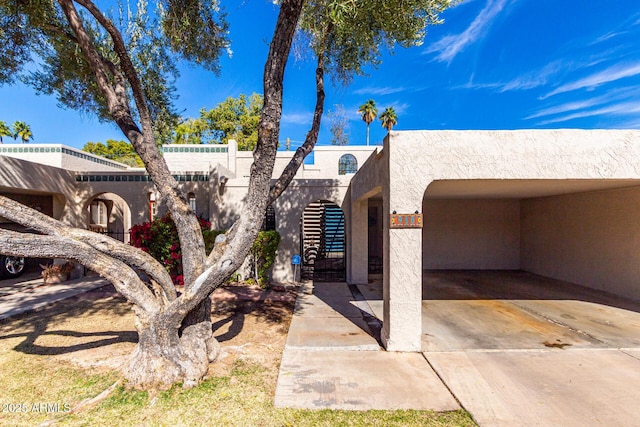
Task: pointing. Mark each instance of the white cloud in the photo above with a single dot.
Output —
(378, 91)
(449, 46)
(303, 118)
(525, 81)
(611, 74)
(623, 108)
(564, 108)
(608, 36)
(534, 78)
(619, 96)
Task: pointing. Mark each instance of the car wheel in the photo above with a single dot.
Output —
(11, 266)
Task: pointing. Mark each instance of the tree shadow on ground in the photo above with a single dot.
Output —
(51, 324)
(105, 318)
(260, 304)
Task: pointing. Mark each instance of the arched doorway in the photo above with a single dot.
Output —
(109, 214)
(322, 241)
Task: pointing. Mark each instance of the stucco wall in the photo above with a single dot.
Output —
(20, 176)
(288, 210)
(471, 234)
(190, 157)
(588, 238)
(325, 162)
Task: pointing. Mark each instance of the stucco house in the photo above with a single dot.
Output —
(560, 203)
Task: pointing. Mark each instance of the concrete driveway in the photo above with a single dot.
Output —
(519, 349)
(514, 349)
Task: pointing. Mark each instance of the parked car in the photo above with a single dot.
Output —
(11, 266)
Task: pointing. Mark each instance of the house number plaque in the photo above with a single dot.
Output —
(406, 221)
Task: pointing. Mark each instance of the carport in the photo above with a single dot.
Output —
(560, 204)
(580, 231)
(483, 238)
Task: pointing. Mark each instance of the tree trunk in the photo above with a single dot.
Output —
(164, 357)
(201, 313)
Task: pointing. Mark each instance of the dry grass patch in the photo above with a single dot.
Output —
(70, 352)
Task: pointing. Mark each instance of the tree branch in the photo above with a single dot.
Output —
(128, 254)
(244, 232)
(194, 256)
(303, 151)
(83, 39)
(125, 280)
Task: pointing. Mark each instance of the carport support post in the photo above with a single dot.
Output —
(402, 289)
(358, 260)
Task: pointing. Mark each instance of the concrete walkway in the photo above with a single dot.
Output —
(513, 349)
(29, 293)
(332, 361)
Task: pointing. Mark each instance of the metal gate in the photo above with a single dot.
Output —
(323, 242)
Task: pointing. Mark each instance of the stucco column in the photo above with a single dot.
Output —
(402, 289)
(358, 249)
(70, 211)
(402, 193)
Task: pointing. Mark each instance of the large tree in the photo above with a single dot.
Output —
(338, 125)
(233, 118)
(120, 151)
(89, 64)
(4, 131)
(389, 118)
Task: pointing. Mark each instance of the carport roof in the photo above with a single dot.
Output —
(519, 188)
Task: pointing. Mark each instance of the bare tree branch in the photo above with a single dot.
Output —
(230, 253)
(125, 280)
(186, 222)
(303, 151)
(128, 254)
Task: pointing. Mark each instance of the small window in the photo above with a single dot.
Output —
(192, 201)
(347, 164)
(153, 206)
(98, 213)
(269, 223)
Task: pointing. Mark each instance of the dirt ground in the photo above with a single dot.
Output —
(96, 330)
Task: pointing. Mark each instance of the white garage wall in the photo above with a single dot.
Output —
(588, 238)
(471, 234)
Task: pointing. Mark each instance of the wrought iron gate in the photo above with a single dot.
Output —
(323, 242)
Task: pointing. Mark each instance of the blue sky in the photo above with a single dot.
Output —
(493, 64)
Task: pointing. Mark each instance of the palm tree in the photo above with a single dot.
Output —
(4, 131)
(388, 118)
(22, 130)
(369, 113)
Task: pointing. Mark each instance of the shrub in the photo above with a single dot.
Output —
(160, 239)
(55, 273)
(263, 255)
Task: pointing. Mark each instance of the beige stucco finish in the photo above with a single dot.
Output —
(479, 234)
(588, 238)
(534, 163)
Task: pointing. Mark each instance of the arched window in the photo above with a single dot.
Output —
(269, 223)
(347, 164)
(192, 201)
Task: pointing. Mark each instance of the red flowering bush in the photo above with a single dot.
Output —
(160, 239)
